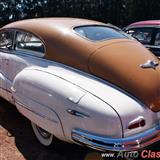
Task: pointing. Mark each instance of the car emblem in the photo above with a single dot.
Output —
(150, 64)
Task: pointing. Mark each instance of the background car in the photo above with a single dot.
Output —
(81, 81)
(148, 33)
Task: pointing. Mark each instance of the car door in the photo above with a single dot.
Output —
(6, 44)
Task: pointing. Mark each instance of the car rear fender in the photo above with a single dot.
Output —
(49, 101)
(38, 95)
(128, 107)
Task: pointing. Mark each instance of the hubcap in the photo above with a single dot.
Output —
(43, 133)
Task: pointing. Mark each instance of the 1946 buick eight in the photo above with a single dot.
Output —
(81, 81)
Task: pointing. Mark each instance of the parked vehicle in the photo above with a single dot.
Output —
(148, 33)
(81, 81)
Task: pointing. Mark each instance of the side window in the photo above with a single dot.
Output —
(144, 35)
(30, 44)
(6, 40)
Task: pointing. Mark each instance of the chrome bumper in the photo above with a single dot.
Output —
(131, 143)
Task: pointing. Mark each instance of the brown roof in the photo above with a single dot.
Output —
(62, 43)
(51, 22)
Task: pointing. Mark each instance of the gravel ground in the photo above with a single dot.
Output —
(17, 141)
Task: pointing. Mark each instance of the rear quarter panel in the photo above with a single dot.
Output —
(45, 98)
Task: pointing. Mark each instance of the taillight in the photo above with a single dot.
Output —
(139, 122)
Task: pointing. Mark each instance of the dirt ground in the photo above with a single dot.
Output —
(17, 141)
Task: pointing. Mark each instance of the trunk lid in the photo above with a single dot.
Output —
(119, 61)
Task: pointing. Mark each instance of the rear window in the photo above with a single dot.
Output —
(99, 33)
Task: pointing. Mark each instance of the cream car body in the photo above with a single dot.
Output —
(73, 105)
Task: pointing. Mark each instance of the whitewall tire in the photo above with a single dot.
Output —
(44, 137)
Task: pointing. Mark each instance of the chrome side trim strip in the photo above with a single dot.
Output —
(104, 143)
(77, 114)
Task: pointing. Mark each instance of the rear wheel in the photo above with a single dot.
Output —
(44, 137)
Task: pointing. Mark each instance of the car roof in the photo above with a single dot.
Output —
(62, 43)
(47, 23)
(146, 23)
(52, 28)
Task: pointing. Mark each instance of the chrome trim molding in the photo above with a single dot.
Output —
(77, 114)
(13, 89)
(104, 143)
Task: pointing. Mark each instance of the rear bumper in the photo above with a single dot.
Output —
(131, 143)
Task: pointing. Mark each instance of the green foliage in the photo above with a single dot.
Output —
(142, 10)
(117, 12)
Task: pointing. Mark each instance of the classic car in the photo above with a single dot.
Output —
(148, 33)
(82, 81)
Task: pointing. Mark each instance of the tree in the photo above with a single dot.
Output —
(138, 10)
(117, 12)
